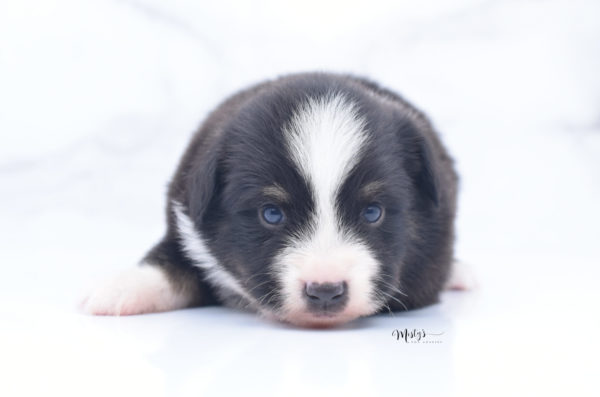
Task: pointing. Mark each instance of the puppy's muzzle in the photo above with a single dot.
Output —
(326, 298)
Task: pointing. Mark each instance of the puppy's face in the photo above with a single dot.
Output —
(308, 213)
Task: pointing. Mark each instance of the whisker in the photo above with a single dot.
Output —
(267, 273)
(383, 302)
(259, 285)
(270, 299)
(390, 286)
(386, 306)
(269, 294)
(394, 298)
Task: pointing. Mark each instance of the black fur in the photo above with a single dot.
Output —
(240, 149)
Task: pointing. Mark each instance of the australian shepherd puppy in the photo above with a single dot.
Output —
(312, 199)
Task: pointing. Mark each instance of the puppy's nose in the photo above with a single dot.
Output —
(328, 297)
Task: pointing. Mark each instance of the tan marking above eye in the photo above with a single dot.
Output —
(372, 189)
(277, 193)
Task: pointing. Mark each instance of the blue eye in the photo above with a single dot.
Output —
(372, 213)
(273, 215)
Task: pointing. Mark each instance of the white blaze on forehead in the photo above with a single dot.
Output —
(325, 138)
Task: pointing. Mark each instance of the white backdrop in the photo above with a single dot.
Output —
(98, 99)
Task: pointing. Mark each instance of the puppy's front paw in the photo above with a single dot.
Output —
(143, 289)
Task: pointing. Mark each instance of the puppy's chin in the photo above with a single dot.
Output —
(307, 319)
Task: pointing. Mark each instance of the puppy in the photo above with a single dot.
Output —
(312, 199)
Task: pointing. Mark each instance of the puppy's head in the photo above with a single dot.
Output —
(303, 202)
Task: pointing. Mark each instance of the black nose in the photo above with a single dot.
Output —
(326, 297)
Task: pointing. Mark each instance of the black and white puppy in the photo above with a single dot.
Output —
(312, 199)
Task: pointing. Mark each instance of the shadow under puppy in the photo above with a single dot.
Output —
(312, 199)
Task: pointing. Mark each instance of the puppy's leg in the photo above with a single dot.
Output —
(461, 277)
(143, 289)
(163, 281)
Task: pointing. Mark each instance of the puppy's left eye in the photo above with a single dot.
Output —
(372, 213)
(272, 214)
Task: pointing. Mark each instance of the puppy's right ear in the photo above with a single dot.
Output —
(203, 184)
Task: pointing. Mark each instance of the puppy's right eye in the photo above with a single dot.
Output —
(372, 213)
(272, 214)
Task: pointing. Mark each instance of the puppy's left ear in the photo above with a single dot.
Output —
(421, 168)
(426, 180)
